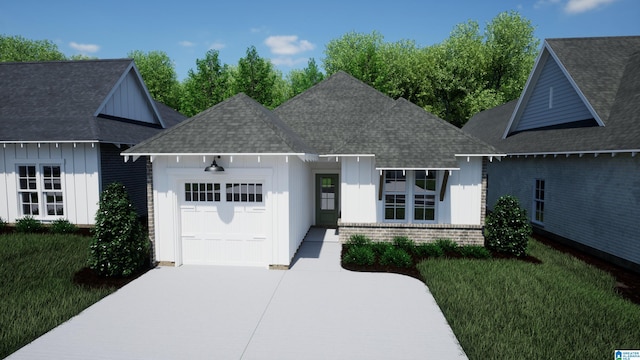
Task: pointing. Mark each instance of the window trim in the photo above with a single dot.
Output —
(409, 193)
(538, 200)
(41, 191)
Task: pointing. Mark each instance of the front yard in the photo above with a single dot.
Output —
(511, 309)
(36, 288)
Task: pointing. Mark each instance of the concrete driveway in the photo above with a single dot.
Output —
(315, 310)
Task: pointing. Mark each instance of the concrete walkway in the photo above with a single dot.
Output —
(315, 310)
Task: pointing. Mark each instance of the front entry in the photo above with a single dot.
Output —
(327, 202)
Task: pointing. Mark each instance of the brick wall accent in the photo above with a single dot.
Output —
(461, 234)
(150, 212)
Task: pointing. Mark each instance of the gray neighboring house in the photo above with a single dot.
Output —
(341, 154)
(572, 141)
(63, 125)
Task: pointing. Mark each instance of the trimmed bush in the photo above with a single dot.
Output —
(3, 225)
(120, 246)
(359, 255)
(62, 226)
(394, 256)
(358, 239)
(507, 228)
(429, 250)
(404, 243)
(380, 248)
(28, 225)
(474, 251)
(447, 245)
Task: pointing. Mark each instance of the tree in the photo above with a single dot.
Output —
(206, 86)
(18, 49)
(301, 80)
(159, 74)
(257, 78)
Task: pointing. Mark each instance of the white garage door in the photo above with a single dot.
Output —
(225, 223)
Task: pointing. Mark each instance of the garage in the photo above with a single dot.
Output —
(224, 222)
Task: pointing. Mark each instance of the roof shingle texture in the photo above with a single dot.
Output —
(607, 71)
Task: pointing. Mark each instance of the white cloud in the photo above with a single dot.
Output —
(287, 45)
(541, 3)
(580, 6)
(84, 48)
(217, 45)
(288, 61)
(187, 43)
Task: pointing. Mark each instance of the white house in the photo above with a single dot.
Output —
(63, 125)
(572, 141)
(340, 154)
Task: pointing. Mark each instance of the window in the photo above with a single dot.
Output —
(244, 192)
(395, 194)
(40, 188)
(328, 194)
(424, 198)
(207, 192)
(538, 200)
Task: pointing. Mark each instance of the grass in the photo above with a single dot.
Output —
(36, 288)
(508, 309)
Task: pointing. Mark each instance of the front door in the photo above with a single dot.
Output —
(327, 203)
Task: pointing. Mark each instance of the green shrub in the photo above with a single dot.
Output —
(394, 256)
(358, 239)
(447, 245)
(359, 255)
(380, 248)
(120, 246)
(429, 250)
(63, 226)
(28, 225)
(474, 251)
(507, 228)
(404, 243)
(3, 225)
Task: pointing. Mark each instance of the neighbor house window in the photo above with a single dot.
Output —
(40, 188)
(424, 196)
(244, 192)
(538, 200)
(206, 192)
(395, 187)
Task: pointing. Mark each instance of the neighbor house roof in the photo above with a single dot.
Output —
(606, 73)
(339, 116)
(59, 101)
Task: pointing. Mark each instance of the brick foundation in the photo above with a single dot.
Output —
(461, 234)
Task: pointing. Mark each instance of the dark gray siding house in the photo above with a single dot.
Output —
(572, 141)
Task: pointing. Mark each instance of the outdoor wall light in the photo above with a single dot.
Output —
(214, 167)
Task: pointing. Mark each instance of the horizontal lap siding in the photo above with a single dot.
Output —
(591, 200)
(132, 174)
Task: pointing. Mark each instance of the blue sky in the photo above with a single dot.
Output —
(287, 32)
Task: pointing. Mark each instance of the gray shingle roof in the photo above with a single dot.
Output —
(56, 101)
(607, 71)
(338, 116)
(234, 126)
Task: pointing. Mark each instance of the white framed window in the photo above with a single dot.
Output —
(410, 196)
(538, 201)
(395, 195)
(244, 192)
(424, 196)
(197, 192)
(40, 190)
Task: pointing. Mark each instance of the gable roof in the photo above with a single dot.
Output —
(604, 72)
(338, 116)
(238, 125)
(61, 101)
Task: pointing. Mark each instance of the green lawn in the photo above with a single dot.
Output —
(36, 288)
(509, 309)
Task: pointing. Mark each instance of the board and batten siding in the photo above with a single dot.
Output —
(80, 177)
(129, 101)
(358, 190)
(590, 200)
(553, 101)
(301, 200)
(131, 174)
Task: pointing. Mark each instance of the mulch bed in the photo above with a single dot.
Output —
(627, 282)
(89, 278)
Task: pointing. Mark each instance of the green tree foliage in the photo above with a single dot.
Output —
(301, 80)
(507, 228)
(257, 78)
(208, 85)
(159, 74)
(19, 49)
(119, 246)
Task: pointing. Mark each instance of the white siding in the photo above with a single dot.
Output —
(80, 181)
(464, 193)
(358, 190)
(129, 101)
(590, 200)
(566, 107)
(301, 200)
